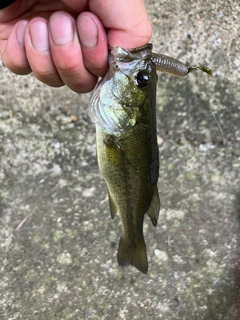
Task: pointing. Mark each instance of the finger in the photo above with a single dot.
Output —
(67, 55)
(38, 53)
(93, 39)
(127, 21)
(13, 52)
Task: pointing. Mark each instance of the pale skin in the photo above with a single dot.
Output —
(66, 42)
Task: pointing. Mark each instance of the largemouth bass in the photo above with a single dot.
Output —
(123, 107)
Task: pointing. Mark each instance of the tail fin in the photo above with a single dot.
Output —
(134, 255)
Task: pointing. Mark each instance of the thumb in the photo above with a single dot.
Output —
(127, 21)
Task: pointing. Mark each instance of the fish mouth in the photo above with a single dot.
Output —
(118, 55)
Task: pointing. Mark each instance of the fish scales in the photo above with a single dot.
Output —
(126, 166)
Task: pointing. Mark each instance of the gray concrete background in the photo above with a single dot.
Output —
(57, 241)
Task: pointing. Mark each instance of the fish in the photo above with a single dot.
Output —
(123, 108)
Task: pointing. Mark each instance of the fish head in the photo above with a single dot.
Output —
(119, 101)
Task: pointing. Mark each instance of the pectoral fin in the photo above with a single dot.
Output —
(113, 208)
(153, 210)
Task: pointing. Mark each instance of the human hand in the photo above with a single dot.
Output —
(66, 41)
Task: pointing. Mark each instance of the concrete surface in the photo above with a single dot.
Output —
(57, 241)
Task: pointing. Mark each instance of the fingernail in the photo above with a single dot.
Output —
(62, 29)
(88, 32)
(21, 32)
(39, 36)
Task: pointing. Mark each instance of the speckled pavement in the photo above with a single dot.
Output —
(57, 241)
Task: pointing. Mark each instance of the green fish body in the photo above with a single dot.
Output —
(123, 107)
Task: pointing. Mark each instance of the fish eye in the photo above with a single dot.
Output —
(142, 79)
